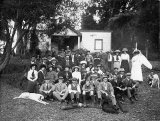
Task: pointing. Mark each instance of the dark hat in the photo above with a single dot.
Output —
(115, 68)
(58, 66)
(50, 66)
(67, 66)
(33, 65)
(42, 66)
(136, 51)
(76, 67)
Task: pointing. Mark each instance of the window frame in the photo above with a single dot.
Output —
(95, 43)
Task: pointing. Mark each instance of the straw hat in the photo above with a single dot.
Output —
(83, 62)
(125, 49)
(117, 51)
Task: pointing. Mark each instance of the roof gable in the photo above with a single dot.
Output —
(68, 32)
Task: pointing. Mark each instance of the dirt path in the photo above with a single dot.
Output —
(146, 109)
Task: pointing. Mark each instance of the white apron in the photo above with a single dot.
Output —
(136, 70)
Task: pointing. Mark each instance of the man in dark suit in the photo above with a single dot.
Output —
(47, 89)
(67, 75)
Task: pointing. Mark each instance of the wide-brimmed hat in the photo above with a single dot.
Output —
(99, 65)
(128, 74)
(121, 70)
(53, 59)
(104, 76)
(42, 66)
(60, 77)
(47, 78)
(59, 66)
(74, 79)
(33, 65)
(124, 49)
(117, 51)
(76, 67)
(44, 58)
(94, 75)
(83, 62)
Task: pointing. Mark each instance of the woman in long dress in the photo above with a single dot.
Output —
(125, 60)
(117, 59)
(137, 61)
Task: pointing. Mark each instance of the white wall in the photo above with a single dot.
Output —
(88, 40)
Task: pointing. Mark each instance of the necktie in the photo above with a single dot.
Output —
(33, 75)
(117, 57)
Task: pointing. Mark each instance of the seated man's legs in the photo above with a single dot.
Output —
(65, 95)
(57, 95)
(77, 96)
(129, 94)
(85, 94)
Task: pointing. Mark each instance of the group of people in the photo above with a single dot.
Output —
(77, 78)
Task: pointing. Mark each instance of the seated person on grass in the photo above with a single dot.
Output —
(106, 92)
(61, 90)
(88, 91)
(47, 89)
(74, 90)
(131, 88)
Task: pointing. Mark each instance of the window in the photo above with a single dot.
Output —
(98, 44)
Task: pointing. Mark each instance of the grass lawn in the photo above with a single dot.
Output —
(146, 109)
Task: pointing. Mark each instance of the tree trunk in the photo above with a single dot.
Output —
(6, 57)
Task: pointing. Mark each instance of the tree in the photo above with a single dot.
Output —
(25, 14)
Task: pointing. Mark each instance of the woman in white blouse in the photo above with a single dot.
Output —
(117, 59)
(32, 76)
(76, 73)
(125, 59)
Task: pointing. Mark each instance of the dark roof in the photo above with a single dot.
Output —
(95, 31)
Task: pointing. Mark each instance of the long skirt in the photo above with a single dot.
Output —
(116, 64)
(31, 87)
(125, 65)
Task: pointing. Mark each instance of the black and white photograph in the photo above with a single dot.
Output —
(79, 60)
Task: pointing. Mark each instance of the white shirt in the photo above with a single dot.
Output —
(110, 57)
(77, 75)
(29, 76)
(125, 57)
